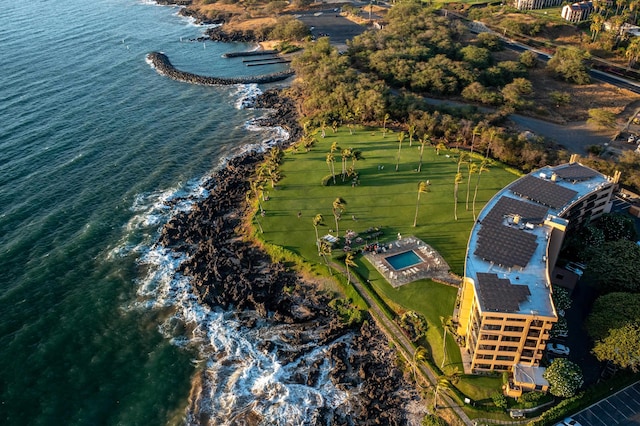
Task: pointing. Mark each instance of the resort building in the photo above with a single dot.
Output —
(535, 4)
(577, 12)
(505, 310)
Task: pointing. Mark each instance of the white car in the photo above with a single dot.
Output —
(557, 349)
(570, 422)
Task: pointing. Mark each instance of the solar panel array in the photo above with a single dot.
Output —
(506, 246)
(575, 172)
(507, 206)
(543, 191)
(499, 294)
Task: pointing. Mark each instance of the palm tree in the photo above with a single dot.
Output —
(450, 377)
(456, 182)
(331, 159)
(411, 128)
(355, 156)
(633, 51)
(384, 125)
(484, 167)
(447, 327)
(322, 127)
(596, 24)
(334, 147)
(492, 134)
(255, 216)
(419, 355)
(423, 187)
(317, 221)
(424, 141)
(349, 261)
(257, 186)
(346, 154)
(338, 207)
(458, 179)
(325, 251)
(400, 139)
(471, 169)
(440, 145)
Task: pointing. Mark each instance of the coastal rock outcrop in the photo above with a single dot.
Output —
(229, 272)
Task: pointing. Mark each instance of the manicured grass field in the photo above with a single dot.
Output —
(383, 198)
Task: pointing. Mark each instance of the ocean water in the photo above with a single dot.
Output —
(95, 328)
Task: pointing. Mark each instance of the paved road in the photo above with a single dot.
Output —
(621, 408)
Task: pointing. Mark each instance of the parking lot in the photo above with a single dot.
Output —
(621, 408)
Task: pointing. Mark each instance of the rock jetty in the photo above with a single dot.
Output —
(164, 66)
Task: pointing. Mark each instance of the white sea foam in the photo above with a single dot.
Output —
(237, 374)
(245, 94)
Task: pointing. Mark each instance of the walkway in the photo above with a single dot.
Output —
(621, 408)
(403, 344)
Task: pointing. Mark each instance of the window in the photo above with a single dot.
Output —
(501, 367)
(513, 328)
(485, 356)
(491, 327)
(504, 358)
(484, 366)
(530, 343)
(489, 337)
(536, 323)
(493, 318)
(487, 347)
(516, 319)
(533, 333)
(508, 348)
(510, 338)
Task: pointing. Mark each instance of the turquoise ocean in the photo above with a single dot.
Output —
(94, 146)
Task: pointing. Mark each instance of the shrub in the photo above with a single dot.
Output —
(499, 400)
(433, 420)
(414, 324)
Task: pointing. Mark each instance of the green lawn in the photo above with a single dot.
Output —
(386, 199)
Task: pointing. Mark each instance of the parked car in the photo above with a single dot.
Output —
(575, 270)
(570, 422)
(557, 348)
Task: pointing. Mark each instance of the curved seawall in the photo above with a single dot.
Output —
(164, 66)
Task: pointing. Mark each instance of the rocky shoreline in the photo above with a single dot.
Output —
(163, 65)
(229, 272)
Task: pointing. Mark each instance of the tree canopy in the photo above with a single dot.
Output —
(568, 63)
(612, 311)
(621, 346)
(564, 377)
(615, 266)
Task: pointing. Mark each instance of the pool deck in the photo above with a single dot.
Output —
(432, 265)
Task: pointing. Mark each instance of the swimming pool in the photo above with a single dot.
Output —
(403, 260)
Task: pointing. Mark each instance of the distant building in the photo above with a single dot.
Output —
(577, 12)
(505, 310)
(535, 4)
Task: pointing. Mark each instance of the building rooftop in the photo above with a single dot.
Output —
(506, 255)
(532, 375)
